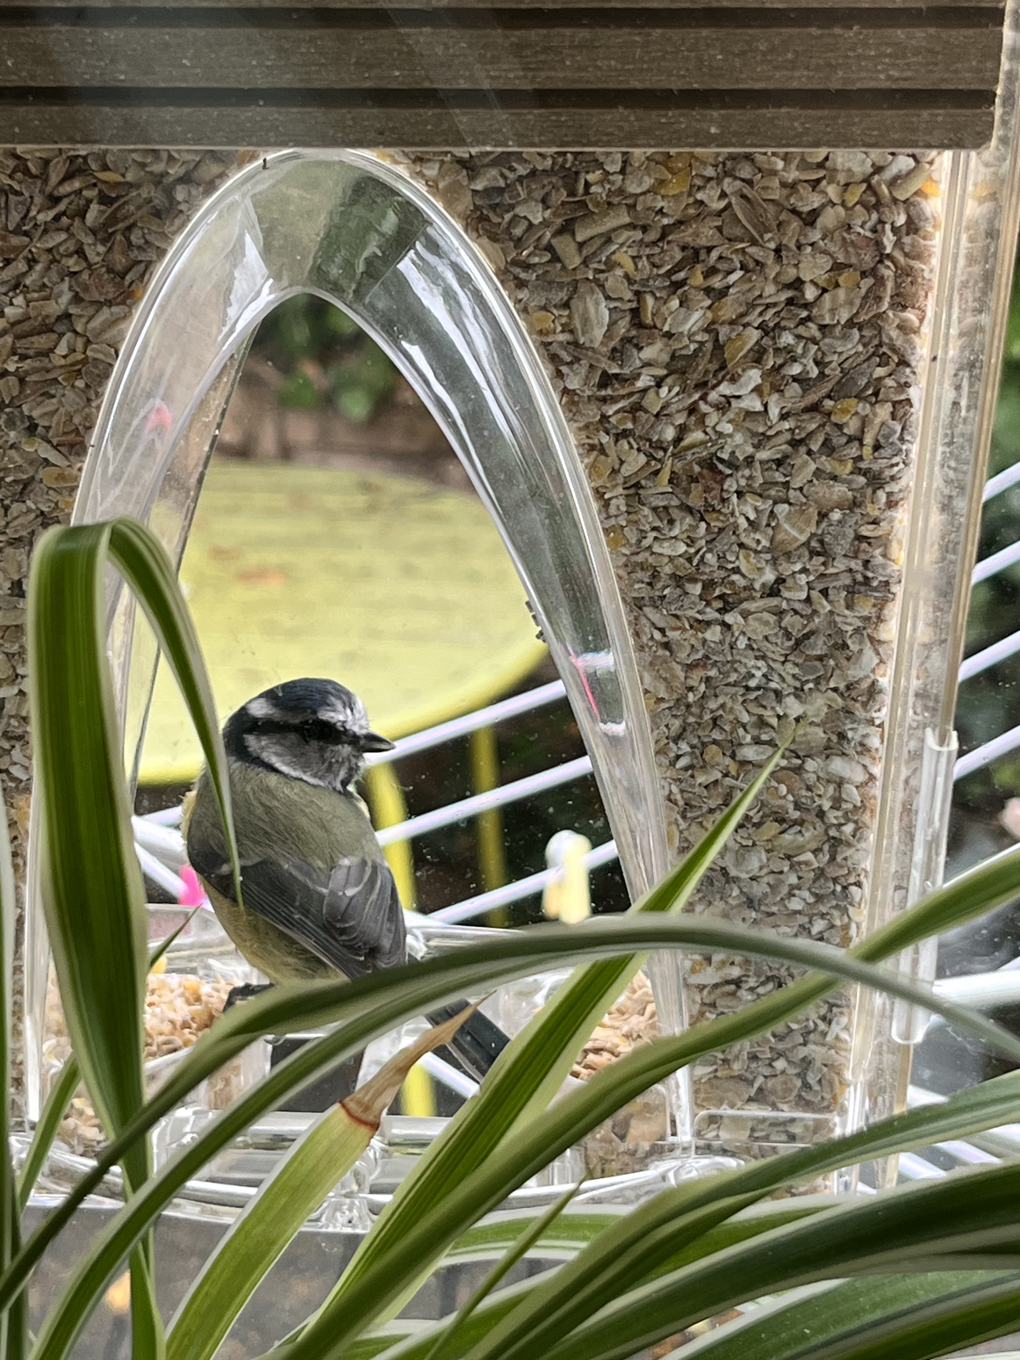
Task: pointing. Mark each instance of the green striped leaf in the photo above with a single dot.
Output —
(964, 1221)
(537, 1143)
(655, 1237)
(363, 1300)
(297, 1186)
(90, 880)
(528, 1237)
(900, 1317)
(13, 1323)
(414, 1345)
(568, 1234)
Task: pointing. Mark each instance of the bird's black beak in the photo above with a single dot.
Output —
(372, 741)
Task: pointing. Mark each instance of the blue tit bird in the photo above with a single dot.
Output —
(318, 896)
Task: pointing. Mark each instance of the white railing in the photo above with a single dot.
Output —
(516, 892)
(160, 847)
(1000, 651)
(499, 797)
(472, 722)
(1002, 481)
(161, 852)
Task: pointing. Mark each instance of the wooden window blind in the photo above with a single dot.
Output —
(521, 73)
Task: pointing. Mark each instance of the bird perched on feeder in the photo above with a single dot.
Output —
(318, 896)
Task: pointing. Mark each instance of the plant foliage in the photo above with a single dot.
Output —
(326, 358)
(912, 1272)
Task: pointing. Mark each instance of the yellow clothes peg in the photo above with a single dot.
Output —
(568, 897)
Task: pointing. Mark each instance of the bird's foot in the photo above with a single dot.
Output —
(244, 991)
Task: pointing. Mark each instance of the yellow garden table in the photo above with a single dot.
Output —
(398, 588)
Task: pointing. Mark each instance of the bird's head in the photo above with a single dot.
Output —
(314, 730)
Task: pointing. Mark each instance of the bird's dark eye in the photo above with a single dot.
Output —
(311, 729)
(314, 729)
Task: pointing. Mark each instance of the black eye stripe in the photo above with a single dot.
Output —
(312, 729)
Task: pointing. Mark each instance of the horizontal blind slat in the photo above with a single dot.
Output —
(445, 5)
(215, 125)
(555, 58)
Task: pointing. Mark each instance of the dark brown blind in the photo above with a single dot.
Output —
(560, 73)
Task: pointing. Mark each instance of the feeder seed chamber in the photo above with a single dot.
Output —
(730, 409)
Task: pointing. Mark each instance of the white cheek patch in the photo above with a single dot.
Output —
(260, 708)
(276, 756)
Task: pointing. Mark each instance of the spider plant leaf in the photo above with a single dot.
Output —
(148, 1341)
(380, 1291)
(648, 1240)
(296, 1188)
(412, 990)
(960, 1222)
(412, 1340)
(515, 1252)
(91, 882)
(541, 1049)
(530, 1071)
(13, 1326)
(414, 1345)
(652, 1237)
(145, 566)
(53, 1114)
(655, 1237)
(562, 1238)
(901, 1317)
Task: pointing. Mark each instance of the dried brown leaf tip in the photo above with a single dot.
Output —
(369, 1102)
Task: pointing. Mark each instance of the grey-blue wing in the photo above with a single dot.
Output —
(350, 916)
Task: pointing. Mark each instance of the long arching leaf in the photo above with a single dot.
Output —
(902, 1317)
(568, 1120)
(955, 1221)
(13, 1323)
(89, 877)
(297, 1186)
(90, 880)
(374, 1294)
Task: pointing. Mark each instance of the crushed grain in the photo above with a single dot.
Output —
(744, 395)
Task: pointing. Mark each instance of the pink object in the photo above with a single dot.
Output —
(193, 894)
(578, 665)
(159, 418)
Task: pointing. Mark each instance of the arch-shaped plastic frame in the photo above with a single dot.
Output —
(352, 229)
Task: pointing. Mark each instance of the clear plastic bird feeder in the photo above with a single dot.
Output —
(350, 228)
(818, 518)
